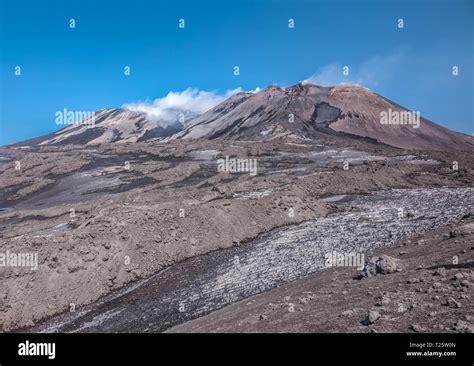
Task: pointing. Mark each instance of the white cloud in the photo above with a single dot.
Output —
(369, 73)
(256, 90)
(190, 101)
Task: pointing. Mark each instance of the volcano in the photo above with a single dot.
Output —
(111, 125)
(306, 111)
(302, 112)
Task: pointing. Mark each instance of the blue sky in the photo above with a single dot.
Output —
(82, 69)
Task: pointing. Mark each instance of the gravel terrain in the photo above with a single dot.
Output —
(104, 218)
(430, 290)
(204, 284)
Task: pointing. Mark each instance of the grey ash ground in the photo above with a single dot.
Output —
(148, 236)
(426, 294)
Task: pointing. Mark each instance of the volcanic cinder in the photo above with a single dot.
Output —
(136, 228)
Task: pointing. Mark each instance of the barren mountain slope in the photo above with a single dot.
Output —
(303, 111)
(306, 111)
(109, 125)
(427, 294)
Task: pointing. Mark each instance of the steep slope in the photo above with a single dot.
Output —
(304, 110)
(241, 112)
(110, 125)
(362, 116)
